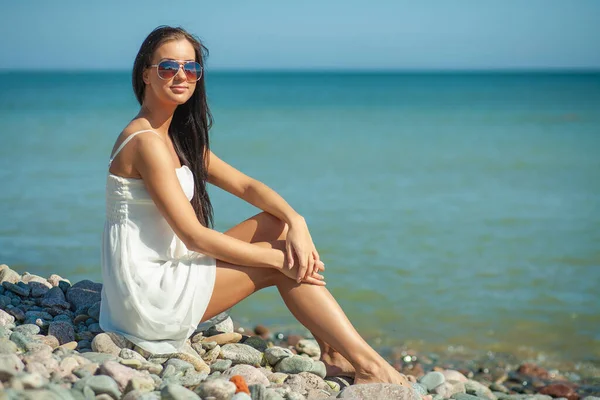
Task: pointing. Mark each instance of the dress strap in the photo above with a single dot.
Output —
(127, 141)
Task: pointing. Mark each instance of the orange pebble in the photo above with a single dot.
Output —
(240, 384)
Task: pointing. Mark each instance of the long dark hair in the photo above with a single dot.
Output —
(191, 120)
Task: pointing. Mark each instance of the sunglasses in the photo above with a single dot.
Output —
(167, 69)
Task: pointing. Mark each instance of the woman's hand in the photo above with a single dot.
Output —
(314, 279)
(299, 243)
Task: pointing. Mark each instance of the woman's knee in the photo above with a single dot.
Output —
(272, 227)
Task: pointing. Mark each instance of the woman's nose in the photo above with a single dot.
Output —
(181, 74)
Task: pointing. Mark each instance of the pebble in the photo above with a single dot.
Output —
(223, 338)
(256, 342)
(84, 294)
(294, 365)
(217, 388)
(432, 380)
(55, 298)
(378, 391)
(62, 330)
(177, 392)
(309, 347)
(274, 354)
(240, 353)
(21, 290)
(250, 374)
(103, 343)
(220, 365)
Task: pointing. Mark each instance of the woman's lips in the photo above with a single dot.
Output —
(179, 89)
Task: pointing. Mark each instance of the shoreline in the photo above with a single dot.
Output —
(51, 345)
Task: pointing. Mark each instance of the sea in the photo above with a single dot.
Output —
(452, 209)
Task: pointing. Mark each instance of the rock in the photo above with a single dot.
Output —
(139, 384)
(256, 342)
(533, 370)
(99, 384)
(211, 355)
(177, 392)
(262, 331)
(55, 298)
(305, 381)
(453, 375)
(30, 278)
(198, 363)
(103, 343)
(63, 331)
(241, 354)
(94, 311)
(129, 354)
(224, 326)
(274, 354)
(192, 378)
(463, 396)
(209, 345)
(7, 346)
(27, 329)
(420, 389)
(432, 380)
(55, 279)
(17, 313)
(16, 288)
(68, 346)
(217, 388)
(38, 289)
(20, 340)
(98, 358)
(6, 319)
(477, 389)
(10, 363)
(8, 275)
(179, 365)
(220, 365)
(309, 347)
(560, 390)
(277, 378)
(95, 328)
(36, 367)
(449, 388)
(122, 374)
(257, 392)
(250, 374)
(319, 369)
(224, 338)
(84, 294)
(294, 365)
(378, 391)
(243, 396)
(67, 365)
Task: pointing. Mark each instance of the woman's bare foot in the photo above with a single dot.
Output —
(337, 365)
(380, 374)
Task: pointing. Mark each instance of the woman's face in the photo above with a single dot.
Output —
(176, 90)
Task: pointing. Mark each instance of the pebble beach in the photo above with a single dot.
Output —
(52, 347)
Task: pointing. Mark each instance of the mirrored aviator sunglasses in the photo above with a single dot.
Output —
(167, 69)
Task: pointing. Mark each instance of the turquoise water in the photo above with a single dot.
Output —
(454, 209)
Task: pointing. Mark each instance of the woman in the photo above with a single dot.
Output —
(164, 269)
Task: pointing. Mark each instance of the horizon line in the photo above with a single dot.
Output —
(333, 70)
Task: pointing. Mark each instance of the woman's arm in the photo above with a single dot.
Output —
(260, 195)
(154, 163)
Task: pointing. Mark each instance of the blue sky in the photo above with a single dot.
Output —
(309, 34)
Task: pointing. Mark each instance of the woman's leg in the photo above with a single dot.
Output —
(312, 305)
(266, 228)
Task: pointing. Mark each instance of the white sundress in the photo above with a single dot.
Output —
(155, 290)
